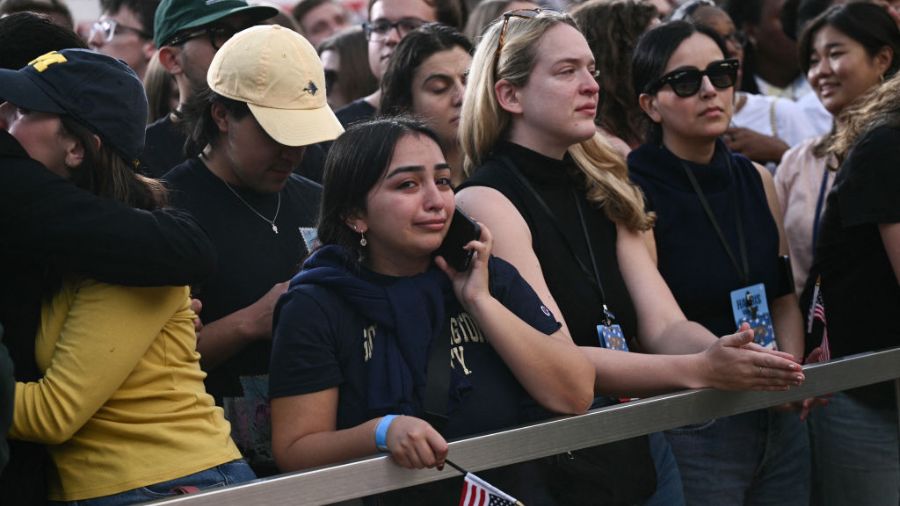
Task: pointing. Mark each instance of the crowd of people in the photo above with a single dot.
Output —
(238, 241)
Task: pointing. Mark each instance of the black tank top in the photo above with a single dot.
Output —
(621, 472)
(559, 183)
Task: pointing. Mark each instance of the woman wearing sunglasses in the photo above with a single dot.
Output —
(718, 243)
(558, 200)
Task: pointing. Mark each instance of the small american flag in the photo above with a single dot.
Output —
(477, 492)
(817, 313)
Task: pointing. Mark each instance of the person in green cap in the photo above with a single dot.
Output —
(188, 33)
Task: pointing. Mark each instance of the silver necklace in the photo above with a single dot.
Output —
(267, 220)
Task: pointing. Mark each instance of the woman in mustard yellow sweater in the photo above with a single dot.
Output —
(121, 406)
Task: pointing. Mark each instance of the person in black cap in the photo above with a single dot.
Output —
(188, 33)
(145, 424)
(46, 221)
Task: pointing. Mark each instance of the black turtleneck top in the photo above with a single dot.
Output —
(560, 184)
(692, 258)
(625, 473)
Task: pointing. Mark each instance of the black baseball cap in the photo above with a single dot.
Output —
(97, 91)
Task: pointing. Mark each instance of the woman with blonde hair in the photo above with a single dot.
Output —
(563, 212)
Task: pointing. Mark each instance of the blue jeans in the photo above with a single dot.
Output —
(230, 473)
(669, 491)
(756, 458)
(856, 459)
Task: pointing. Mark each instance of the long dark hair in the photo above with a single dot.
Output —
(413, 50)
(356, 162)
(106, 174)
(199, 124)
(355, 78)
(652, 54)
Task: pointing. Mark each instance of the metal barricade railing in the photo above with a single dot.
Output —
(378, 474)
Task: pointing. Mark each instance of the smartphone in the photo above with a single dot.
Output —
(462, 230)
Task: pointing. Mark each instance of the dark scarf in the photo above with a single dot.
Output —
(409, 312)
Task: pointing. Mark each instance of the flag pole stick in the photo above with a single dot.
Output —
(454, 466)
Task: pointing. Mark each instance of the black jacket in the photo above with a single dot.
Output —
(47, 221)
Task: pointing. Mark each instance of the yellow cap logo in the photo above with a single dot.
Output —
(45, 60)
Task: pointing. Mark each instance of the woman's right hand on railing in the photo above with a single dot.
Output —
(734, 362)
(415, 444)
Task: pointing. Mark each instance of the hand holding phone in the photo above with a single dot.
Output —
(462, 231)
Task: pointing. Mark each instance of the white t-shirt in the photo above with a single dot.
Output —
(774, 116)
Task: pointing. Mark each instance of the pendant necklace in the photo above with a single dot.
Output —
(271, 222)
(277, 207)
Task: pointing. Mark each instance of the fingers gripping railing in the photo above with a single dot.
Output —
(378, 474)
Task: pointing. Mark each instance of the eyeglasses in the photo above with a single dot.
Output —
(737, 37)
(524, 14)
(217, 35)
(380, 28)
(686, 82)
(109, 28)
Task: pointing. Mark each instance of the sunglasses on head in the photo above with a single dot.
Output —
(686, 82)
(522, 14)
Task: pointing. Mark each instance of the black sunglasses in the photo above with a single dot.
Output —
(686, 82)
(524, 14)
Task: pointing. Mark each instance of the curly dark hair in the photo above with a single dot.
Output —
(612, 29)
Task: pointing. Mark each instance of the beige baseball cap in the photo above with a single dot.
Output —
(279, 75)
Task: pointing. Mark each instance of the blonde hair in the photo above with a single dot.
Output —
(879, 107)
(484, 122)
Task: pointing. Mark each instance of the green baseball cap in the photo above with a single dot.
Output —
(173, 16)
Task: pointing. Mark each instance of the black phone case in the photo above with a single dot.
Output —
(462, 230)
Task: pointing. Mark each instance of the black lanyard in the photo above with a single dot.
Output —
(743, 268)
(608, 317)
(820, 203)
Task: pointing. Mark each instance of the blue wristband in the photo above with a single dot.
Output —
(381, 432)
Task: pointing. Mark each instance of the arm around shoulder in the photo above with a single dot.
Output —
(47, 216)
